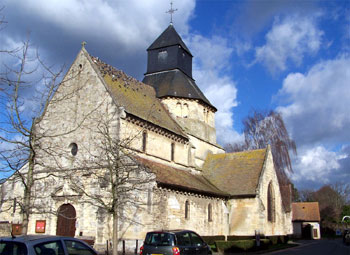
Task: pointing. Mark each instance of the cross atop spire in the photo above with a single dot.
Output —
(171, 11)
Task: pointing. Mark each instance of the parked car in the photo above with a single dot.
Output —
(44, 245)
(174, 242)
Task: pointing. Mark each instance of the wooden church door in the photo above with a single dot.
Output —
(66, 220)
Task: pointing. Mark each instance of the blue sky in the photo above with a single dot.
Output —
(291, 56)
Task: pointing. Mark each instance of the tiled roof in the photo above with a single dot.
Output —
(306, 211)
(180, 179)
(235, 173)
(136, 97)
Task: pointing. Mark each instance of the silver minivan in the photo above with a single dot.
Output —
(174, 242)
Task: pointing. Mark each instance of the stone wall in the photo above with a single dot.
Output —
(194, 117)
(170, 212)
(5, 229)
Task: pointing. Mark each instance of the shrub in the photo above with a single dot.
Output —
(235, 246)
(273, 239)
(237, 238)
(264, 244)
(211, 239)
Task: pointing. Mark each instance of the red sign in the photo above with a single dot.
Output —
(40, 226)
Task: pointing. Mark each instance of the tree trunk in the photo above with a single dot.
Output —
(27, 195)
(115, 240)
(29, 183)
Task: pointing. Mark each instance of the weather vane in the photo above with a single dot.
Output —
(171, 11)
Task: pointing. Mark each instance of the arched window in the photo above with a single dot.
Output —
(271, 213)
(210, 213)
(187, 209)
(144, 140)
(185, 111)
(172, 151)
(178, 109)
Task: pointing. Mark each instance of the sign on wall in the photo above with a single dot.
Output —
(17, 229)
(40, 226)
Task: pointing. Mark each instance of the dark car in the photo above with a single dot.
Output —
(174, 242)
(44, 245)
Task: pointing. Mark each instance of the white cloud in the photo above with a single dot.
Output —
(128, 24)
(289, 40)
(317, 165)
(318, 102)
(211, 62)
(316, 114)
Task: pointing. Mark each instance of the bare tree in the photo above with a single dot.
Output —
(263, 128)
(268, 128)
(30, 86)
(331, 204)
(332, 199)
(111, 177)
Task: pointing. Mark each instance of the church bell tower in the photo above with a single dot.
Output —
(169, 71)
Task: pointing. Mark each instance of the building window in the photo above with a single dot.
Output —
(187, 209)
(162, 56)
(149, 200)
(210, 213)
(178, 109)
(185, 111)
(271, 214)
(172, 151)
(144, 140)
(73, 148)
(14, 205)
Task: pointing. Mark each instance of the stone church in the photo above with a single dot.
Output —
(169, 128)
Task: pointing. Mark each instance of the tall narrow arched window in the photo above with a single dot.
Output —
(178, 109)
(185, 111)
(172, 155)
(144, 140)
(271, 212)
(210, 213)
(187, 209)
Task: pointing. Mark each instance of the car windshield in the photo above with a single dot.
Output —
(12, 248)
(159, 239)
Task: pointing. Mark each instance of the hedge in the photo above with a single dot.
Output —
(233, 246)
(237, 238)
(278, 239)
(211, 239)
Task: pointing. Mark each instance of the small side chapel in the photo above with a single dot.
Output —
(196, 184)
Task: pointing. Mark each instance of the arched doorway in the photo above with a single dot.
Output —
(66, 220)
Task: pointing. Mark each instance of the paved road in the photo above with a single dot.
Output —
(317, 247)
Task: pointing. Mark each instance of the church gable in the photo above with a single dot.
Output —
(67, 111)
(237, 174)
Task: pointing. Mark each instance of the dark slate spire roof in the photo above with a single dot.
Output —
(168, 38)
(169, 68)
(175, 83)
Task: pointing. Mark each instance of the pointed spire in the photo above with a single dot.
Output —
(169, 37)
